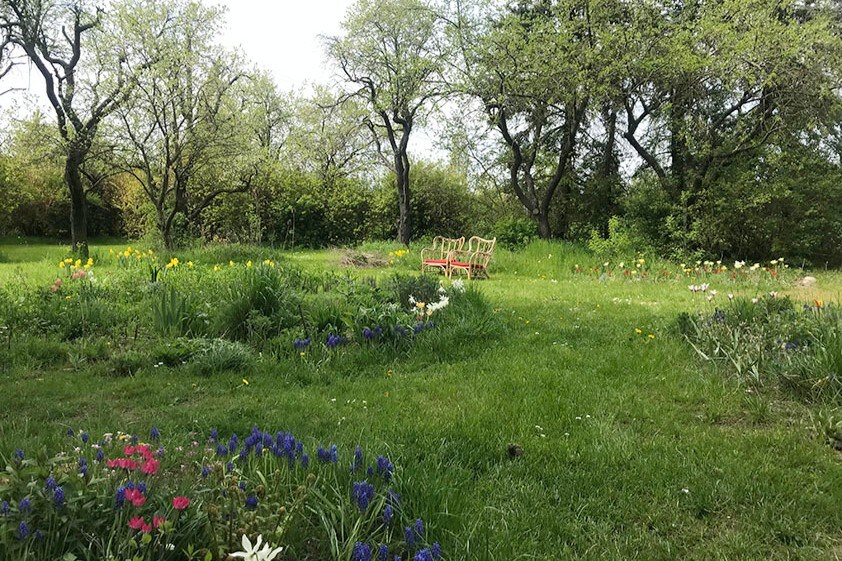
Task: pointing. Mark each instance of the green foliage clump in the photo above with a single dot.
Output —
(513, 233)
(770, 341)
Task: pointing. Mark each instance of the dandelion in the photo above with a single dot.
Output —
(248, 263)
(638, 331)
(651, 336)
(245, 382)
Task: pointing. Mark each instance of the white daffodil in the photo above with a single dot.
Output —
(256, 553)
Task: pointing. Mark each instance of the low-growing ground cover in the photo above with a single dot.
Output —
(574, 421)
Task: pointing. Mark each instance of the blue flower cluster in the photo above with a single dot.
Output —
(327, 456)
(280, 444)
(301, 344)
(423, 325)
(370, 334)
(363, 494)
(385, 468)
(334, 341)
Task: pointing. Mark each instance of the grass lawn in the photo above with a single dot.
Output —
(632, 447)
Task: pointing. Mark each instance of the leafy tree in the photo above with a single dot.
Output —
(330, 138)
(185, 134)
(534, 67)
(84, 76)
(390, 53)
(712, 84)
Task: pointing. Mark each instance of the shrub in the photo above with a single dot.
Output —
(513, 233)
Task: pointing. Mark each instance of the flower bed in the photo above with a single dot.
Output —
(261, 496)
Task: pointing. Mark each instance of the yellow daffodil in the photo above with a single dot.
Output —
(420, 305)
(248, 263)
(189, 263)
(61, 265)
(216, 267)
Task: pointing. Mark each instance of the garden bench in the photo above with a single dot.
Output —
(438, 256)
(474, 261)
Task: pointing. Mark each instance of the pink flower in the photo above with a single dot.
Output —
(146, 528)
(128, 450)
(136, 523)
(158, 520)
(180, 503)
(136, 497)
(150, 466)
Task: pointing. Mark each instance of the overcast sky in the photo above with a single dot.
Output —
(281, 36)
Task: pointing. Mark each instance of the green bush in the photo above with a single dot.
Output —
(513, 233)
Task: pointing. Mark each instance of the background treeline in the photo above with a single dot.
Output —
(704, 128)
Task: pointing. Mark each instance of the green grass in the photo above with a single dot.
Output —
(632, 447)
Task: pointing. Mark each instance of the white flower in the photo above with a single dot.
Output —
(412, 299)
(704, 287)
(739, 264)
(773, 294)
(432, 307)
(730, 296)
(255, 553)
(755, 300)
(713, 292)
(459, 285)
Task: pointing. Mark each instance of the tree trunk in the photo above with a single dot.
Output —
(543, 221)
(402, 173)
(165, 228)
(78, 201)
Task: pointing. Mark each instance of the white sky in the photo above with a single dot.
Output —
(280, 36)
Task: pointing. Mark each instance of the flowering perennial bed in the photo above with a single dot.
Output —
(257, 497)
